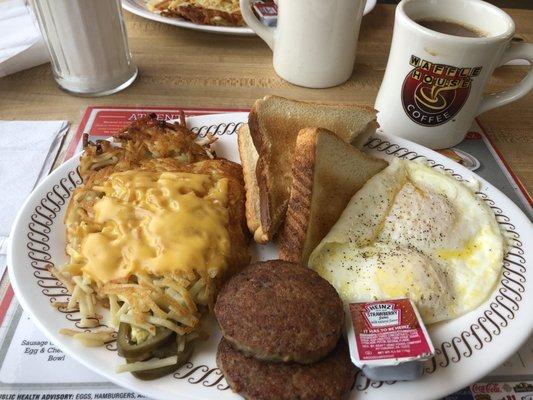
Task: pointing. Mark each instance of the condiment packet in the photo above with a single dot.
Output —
(266, 11)
(388, 339)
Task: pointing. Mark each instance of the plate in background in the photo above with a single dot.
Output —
(138, 7)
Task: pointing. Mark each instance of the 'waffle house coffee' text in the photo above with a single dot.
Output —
(433, 93)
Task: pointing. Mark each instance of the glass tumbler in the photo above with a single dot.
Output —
(88, 45)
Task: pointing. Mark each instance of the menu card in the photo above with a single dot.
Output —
(32, 368)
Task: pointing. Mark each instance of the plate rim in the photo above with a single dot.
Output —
(26, 208)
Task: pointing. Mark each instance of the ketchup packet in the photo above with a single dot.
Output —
(388, 339)
(266, 11)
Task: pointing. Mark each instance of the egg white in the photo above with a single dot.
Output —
(414, 232)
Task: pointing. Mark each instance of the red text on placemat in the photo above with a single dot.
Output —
(108, 122)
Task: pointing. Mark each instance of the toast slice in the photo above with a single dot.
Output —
(327, 172)
(274, 124)
(248, 155)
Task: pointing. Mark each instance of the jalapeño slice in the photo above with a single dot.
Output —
(142, 351)
(168, 350)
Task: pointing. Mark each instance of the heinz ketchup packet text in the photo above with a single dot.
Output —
(387, 332)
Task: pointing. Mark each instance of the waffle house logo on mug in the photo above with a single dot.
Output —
(433, 93)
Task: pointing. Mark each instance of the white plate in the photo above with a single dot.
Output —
(138, 7)
(467, 348)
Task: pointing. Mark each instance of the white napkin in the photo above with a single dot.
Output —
(27, 152)
(21, 43)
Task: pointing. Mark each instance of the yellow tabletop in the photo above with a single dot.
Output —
(181, 67)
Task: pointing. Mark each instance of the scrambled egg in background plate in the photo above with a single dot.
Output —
(414, 232)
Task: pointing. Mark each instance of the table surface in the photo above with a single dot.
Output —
(181, 67)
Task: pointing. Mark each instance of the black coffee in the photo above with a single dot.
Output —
(450, 28)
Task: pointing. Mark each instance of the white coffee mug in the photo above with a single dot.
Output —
(434, 84)
(314, 42)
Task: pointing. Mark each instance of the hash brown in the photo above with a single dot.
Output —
(157, 146)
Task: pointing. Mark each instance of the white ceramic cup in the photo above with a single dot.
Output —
(314, 42)
(434, 84)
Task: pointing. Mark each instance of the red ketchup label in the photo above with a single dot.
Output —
(388, 330)
(266, 9)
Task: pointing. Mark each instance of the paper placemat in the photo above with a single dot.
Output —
(32, 368)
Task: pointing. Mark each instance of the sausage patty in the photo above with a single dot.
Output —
(280, 311)
(328, 379)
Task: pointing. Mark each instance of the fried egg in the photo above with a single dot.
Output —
(414, 232)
